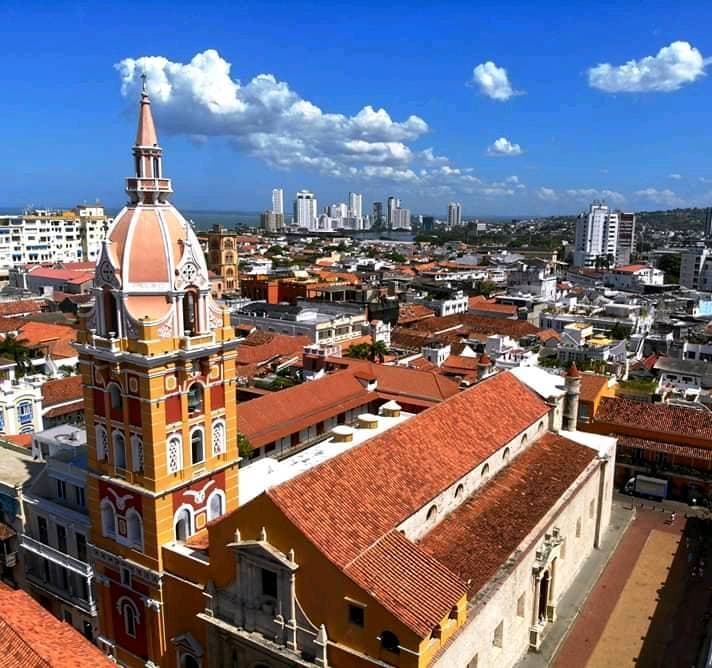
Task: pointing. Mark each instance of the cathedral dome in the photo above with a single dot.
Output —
(152, 258)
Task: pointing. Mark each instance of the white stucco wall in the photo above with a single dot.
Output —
(497, 602)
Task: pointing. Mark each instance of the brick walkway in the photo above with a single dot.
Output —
(647, 609)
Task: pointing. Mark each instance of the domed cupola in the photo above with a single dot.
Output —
(152, 267)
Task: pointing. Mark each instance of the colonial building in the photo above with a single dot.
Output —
(157, 358)
(222, 256)
(411, 548)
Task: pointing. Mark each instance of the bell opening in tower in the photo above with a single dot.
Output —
(111, 320)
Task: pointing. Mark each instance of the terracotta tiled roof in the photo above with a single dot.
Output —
(657, 417)
(669, 448)
(10, 324)
(62, 390)
(631, 268)
(31, 637)
(21, 307)
(413, 312)
(349, 503)
(23, 440)
(592, 385)
(262, 346)
(547, 334)
(416, 588)
(466, 323)
(57, 338)
(506, 510)
(279, 414)
(460, 363)
(479, 303)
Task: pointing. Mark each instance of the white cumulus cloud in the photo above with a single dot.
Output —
(493, 81)
(665, 197)
(547, 194)
(266, 118)
(672, 67)
(675, 177)
(610, 196)
(502, 147)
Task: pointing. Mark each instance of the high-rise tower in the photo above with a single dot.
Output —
(157, 357)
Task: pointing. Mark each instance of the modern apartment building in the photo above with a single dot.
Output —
(626, 238)
(278, 201)
(596, 236)
(355, 205)
(400, 219)
(454, 214)
(305, 210)
(56, 530)
(696, 268)
(45, 235)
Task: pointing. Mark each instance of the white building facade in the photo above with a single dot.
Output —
(305, 210)
(44, 236)
(596, 236)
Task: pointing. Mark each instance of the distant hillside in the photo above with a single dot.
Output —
(674, 219)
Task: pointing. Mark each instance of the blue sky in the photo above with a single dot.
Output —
(541, 128)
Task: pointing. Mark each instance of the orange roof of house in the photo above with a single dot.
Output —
(23, 440)
(592, 385)
(631, 268)
(413, 312)
(658, 417)
(20, 307)
(263, 346)
(464, 324)
(349, 506)
(62, 390)
(31, 637)
(548, 334)
(57, 338)
(506, 509)
(479, 303)
(279, 414)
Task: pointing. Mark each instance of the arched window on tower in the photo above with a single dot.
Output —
(175, 454)
(119, 450)
(197, 445)
(111, 315)
(190, 312)
(216, 505)
(195, 399)
(108, 519)
(134, 529)
(130, 615)
(183, 524)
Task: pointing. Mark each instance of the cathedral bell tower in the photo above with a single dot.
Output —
(157, 357)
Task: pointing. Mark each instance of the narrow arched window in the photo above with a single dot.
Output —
(115, 401)
(102, 444)
(136, 453)
(485, 471)
(111, 315)
(182, 524)
(432, 513)
(119, 450)
(175, 454)
(108, 519)
(218, 437)
(459, 491)
(130, 615)
(134, 529)
(505, 455)
(190, 312)
(215, 505)
(195, 398)
(197, 446)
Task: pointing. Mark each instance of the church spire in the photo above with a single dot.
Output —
(148, 185)
(146, 133)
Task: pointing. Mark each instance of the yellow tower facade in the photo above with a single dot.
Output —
(157, 357)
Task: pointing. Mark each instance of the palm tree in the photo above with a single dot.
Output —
(16, 349)
(377, 349)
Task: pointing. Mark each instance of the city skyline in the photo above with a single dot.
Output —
(480, 124)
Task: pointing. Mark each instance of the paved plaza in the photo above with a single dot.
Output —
(651, 605)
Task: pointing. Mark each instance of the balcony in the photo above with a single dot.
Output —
(49, 587)
(54, 555)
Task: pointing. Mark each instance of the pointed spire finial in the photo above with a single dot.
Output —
(144, 91)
